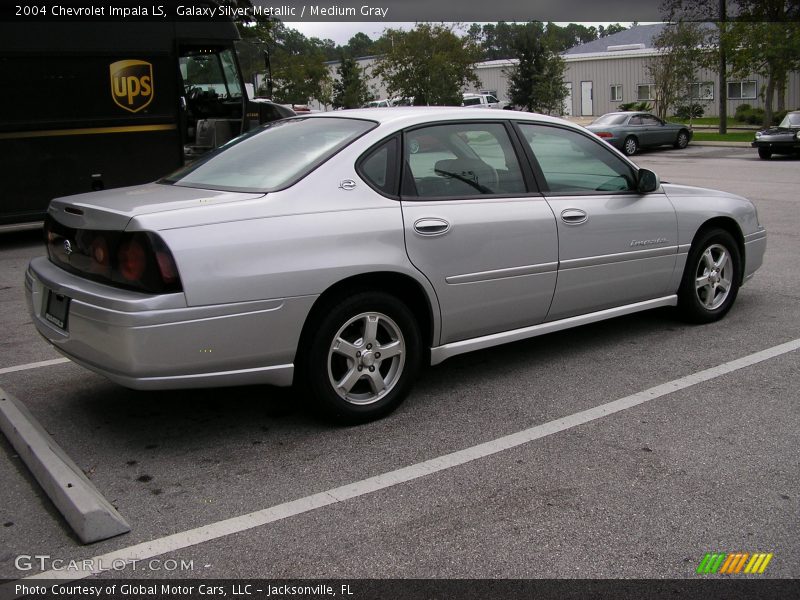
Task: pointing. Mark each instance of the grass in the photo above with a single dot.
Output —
(714, 122)
(731, 136)
(711, 121)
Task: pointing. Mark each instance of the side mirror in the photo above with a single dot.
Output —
(647, 181)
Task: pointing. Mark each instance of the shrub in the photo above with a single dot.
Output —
(741, 112)
(755, 116)
(643, 106)
(689, 111)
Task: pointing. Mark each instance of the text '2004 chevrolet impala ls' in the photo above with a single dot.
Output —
(343, 252)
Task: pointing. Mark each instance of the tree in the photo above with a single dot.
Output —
(681, 51)
(298, 66)
(496, 39)
(537, 82)
(766, 40)
(610, 30)
(359, 45)
(563, 38)
(429, 63)
(350, 90)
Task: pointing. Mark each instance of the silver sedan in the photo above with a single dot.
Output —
(342, 252)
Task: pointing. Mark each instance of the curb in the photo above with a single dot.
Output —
(722, 144)
(90, 515)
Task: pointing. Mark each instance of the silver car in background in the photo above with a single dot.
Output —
(342, 253)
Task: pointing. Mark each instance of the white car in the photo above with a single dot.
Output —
(378, 104)
(482, 101)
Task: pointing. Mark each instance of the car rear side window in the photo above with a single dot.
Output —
(461, 160)
(272, 157)
(572, 163)
(378, 167)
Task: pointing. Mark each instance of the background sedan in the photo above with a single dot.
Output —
(629, 131)
(783, 139)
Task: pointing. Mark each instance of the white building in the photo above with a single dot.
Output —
(613, 70)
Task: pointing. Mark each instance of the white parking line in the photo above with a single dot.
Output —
(36, 365)
(192, 537)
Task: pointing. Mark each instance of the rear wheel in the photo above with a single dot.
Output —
(765, 153)
(363, 358)
(712, 277)
(631, 145)
(682, 140)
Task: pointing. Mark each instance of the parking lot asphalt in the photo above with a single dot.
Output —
(644, 492)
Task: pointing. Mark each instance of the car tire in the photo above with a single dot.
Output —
(630, 146)
(711, 278)
(682, 140)
(764, 153)
(346, 368)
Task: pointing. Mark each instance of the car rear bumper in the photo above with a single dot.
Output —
(143, 341)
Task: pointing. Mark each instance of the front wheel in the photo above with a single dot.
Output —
(364, 357)
(682, 140)
(712, 277)
(631, 146)
(764, 153)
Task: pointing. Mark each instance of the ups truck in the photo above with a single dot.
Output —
(89, 106)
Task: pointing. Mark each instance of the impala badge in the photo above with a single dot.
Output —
(67, 247)
(347, 184)
(649, 242)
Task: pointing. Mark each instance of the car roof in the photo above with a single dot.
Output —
(627, 113)
(407, 116)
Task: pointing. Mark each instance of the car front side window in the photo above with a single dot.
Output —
(572, 163)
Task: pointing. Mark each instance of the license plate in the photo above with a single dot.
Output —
(57, 309)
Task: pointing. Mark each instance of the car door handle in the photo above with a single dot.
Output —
(431, 226)
(574, 216)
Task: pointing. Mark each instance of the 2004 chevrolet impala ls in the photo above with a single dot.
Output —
(341, 252)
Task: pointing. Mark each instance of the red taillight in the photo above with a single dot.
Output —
(132, 260)
(604, 134)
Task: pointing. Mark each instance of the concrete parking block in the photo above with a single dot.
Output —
(89, 514)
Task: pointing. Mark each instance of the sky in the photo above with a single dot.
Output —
(342, 32)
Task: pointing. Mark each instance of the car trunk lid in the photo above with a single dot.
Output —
(113, 209)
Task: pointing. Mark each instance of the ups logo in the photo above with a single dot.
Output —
(132, 84)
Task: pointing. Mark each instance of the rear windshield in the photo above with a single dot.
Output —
(610, 120)
(272, 157)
